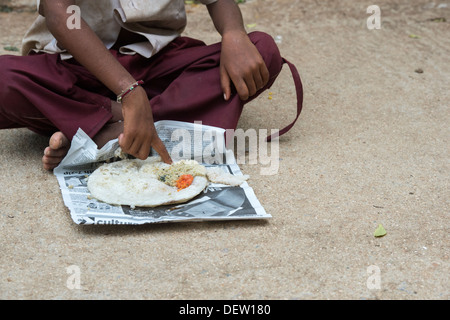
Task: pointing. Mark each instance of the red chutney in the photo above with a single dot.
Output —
(184, 181)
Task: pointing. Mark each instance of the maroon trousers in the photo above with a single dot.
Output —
(45, 94)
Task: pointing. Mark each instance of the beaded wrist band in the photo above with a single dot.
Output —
(124, 93)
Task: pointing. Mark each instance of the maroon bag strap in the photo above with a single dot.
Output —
(299, 90)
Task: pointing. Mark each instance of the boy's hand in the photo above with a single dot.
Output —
(242, 64)
(240, 61)
(139, 133)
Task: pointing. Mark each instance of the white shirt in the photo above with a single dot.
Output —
(159, 21)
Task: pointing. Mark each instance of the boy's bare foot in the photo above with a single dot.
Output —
(56, 150)
(59, 144)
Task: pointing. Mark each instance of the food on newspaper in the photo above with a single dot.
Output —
(152, 183)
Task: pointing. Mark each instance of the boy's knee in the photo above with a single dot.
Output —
(7, 76)
(13, 80)
(5, 80)
(268, 50)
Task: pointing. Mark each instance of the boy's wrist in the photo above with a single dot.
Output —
(129, 90)
(124, 83)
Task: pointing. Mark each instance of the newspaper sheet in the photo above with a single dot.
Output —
(204, 144)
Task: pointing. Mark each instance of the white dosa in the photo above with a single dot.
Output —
(135, 183)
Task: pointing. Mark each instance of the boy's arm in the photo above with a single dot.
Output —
(241, 63)
(84, 45)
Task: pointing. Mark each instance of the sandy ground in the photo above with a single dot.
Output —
(371, 147)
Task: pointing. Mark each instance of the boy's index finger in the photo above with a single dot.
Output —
(265, 73)
(160, 148)
(225, 83)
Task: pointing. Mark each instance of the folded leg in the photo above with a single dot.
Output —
(41, 93)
